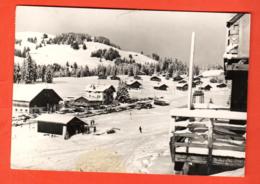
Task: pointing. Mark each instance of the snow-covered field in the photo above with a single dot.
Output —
(64, 53)
(125, 151)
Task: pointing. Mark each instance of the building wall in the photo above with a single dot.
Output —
(50, 128)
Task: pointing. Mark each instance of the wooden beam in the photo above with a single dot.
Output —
(204, 113)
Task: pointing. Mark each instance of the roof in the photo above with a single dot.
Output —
(130, 82)
(212, 73)
(56, 118)
(181, 84)
(160, 85)
(234, 19)
(98, 87)
(27, 92)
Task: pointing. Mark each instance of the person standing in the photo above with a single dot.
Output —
(140, 129)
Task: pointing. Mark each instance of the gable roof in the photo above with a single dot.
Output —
(57, 118)
(234, 19)
(27, 92)
(131, 82)
(160, 85)
(98, 87)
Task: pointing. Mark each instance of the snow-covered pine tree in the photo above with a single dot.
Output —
(29, 69)
(49, 74)
(122, 94)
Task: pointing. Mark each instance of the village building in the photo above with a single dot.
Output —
(29, 99)
(133, 84)
(57, 124)
(222, 85)
(206, 87)
(102, 77)
(137, 77)
(198, 96)
(100, 94)
(182, 81)
(161, 86)
(182, 86)
(114, 77)
(155, 78)
(177, 78)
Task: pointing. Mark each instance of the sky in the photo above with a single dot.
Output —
(167, 33)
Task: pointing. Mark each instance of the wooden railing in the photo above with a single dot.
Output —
(207, 137)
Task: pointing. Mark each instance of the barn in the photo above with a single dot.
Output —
(177, 78)
(222, 85)
(182, 86)
(60, 124)
(155, 78)
(29, 99)
(161, 87)
(133, 84)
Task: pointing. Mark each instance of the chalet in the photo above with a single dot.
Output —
(160, 86)
(182, 86)
(206, 87)
(198, 96)
(182, 81)
(222, 85)
(133, 84)
(102, 77)
(177, 78)
(155, 78)
(137, 77)
(104, 94)
(29, 99)
(114, 77)
(60, 124)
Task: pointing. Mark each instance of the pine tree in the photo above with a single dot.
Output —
(29, 70)
(49, 75)
(43, 73)
(122, 94)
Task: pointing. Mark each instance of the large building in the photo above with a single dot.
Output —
(100, 93)
(29, 99)
(60, 124)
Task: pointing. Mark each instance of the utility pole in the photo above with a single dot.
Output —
(191, 70)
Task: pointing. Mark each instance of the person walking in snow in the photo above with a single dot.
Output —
(140, 129)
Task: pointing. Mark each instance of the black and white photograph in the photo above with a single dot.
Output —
(130, 91)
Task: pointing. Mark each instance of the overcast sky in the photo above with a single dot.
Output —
(166, 33)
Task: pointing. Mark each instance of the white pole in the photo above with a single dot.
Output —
(191, 70)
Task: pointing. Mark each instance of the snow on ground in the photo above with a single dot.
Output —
(64, 53)
(125, 151)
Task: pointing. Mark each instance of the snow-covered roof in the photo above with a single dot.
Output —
(56, 118)
(160, 85)
(130, 82)
(181, 84)
(26, 92)
(98, 87)
(212, 73)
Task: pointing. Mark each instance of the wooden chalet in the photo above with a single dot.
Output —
(222, 85)
(29, 99)
(206, 87)
(137, 77)
(182, 86)
(114, 77)
(155, 78)
(161, 87)
(133, 84)
(177, 78)
(60, 124)
(102, 77)
(208, 141)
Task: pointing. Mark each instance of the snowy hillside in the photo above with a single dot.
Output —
(50, 53)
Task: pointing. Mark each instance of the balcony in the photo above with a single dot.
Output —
(206, 136)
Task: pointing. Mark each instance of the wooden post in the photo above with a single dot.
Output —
(191, 71)
(210, 144)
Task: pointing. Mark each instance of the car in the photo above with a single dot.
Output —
(161, 102)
